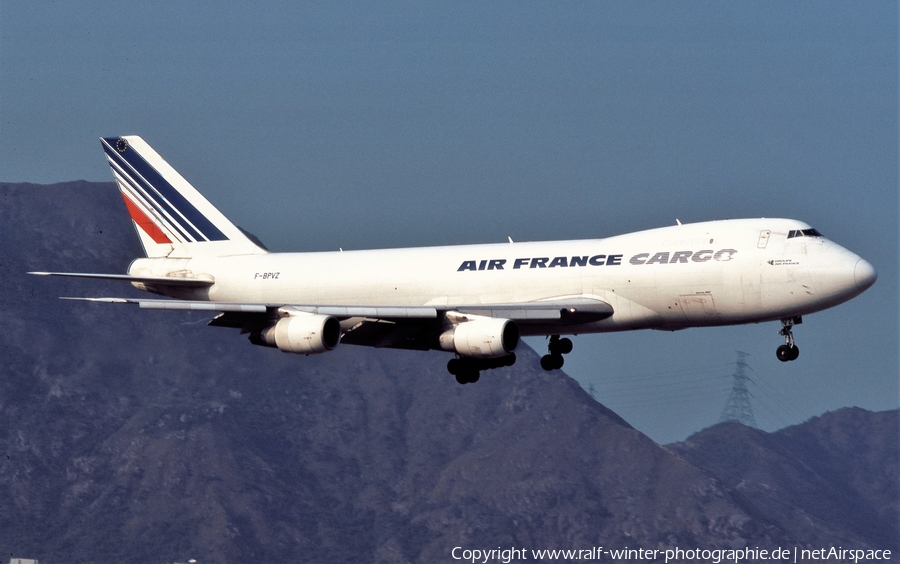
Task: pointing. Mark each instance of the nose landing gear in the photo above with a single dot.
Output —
(789, 350)
(557, 347)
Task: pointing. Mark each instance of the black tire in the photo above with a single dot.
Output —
(547, 362)
(794, 352)
(558, 361)
(783, 353)
(552, 362)
(453, 366)
(565, 346)
(468, 376)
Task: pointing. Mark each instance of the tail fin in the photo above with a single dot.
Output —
(171, 217)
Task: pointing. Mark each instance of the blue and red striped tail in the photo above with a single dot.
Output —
(171, 217)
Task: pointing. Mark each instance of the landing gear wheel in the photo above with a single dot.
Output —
(468, 376)
(556, 348)
(783, 353)
(552, 362)
(547, 362)
(786, 353)
(468, 370)
(789, 350)
(560, 346)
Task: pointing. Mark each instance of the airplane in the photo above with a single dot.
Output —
(474, 301)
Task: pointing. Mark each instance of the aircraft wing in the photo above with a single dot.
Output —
(384, 326)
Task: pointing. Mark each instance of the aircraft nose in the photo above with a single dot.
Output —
(864, 274)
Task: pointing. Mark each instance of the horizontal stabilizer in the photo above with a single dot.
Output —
(167, 280)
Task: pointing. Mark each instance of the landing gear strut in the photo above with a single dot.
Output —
(468, 370)
(557, 347)
(789, 350)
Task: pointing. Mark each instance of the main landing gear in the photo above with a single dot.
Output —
(468, 370)
(789, 350)
(557, 347)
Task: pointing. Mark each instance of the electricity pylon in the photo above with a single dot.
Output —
(738, 407)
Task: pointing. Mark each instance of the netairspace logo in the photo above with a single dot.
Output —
(715, 556)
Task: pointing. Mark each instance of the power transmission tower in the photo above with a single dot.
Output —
(738, 407)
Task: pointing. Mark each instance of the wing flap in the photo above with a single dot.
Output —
(388, 312)
(515, 313)
(580, 310)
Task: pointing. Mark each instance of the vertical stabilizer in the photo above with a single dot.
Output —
(170, 216)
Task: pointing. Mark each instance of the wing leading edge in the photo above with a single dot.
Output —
(580, 311)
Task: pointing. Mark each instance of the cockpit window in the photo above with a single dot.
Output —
(803, 233)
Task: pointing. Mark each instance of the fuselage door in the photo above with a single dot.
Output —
(763, 239)
(699, 308)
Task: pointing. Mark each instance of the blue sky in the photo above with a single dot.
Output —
(356, 125)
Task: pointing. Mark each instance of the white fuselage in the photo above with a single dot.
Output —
(712, 273)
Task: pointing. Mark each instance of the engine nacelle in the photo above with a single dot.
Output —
(303, 334)
(482, 338)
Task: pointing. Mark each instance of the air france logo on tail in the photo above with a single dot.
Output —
(157, 207)
(144, 222)
(172, 219)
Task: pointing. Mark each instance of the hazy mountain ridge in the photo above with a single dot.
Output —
(851, 455)
(146, 436)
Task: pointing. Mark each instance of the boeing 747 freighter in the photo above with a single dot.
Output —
(473, 301)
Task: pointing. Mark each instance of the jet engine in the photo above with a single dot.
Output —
(302, 334)
(485, 337)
